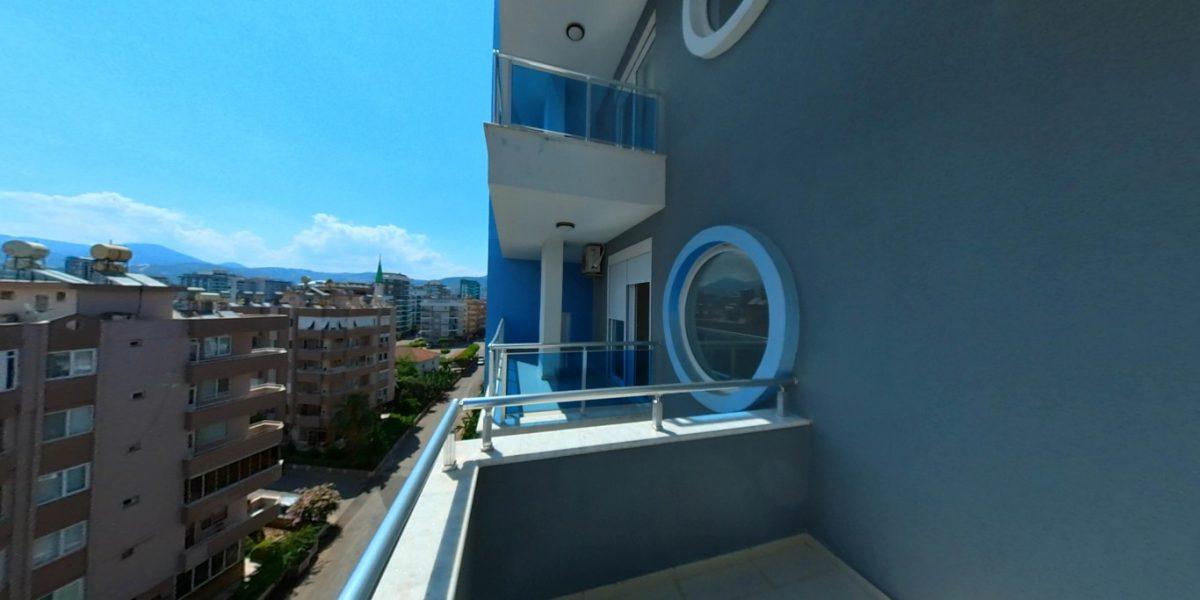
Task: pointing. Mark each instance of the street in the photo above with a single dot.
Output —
(362, 514)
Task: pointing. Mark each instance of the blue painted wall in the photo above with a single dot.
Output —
(514, 297)
(991, 212)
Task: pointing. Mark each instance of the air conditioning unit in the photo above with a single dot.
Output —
(593, 260)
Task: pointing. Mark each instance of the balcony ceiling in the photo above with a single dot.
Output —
(537, 179)
(536, 30)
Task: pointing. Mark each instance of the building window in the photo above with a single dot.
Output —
(710, 27)
(220, 345)
(3, 567)
(70, 363)
(729, 313)
(213, 481)
(218, 563)
(193, 349)
(67, 423)
(210, 434)
(212, 390)
(41, 303)
(71, 591)
(725, 315)
(9, 365)
(56, 545)
(60, 484)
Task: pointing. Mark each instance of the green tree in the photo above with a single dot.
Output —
(355, 421)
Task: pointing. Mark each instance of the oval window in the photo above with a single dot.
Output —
(730, 312)
(710, 27)
(725, 315)
(719, 12)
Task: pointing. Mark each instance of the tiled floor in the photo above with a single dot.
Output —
(798, 568)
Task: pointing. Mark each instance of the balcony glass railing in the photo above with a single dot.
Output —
(543, 368)
(547, 98)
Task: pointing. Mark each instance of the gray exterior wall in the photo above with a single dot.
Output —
(990, 209)
(151, 527)
(578, 522)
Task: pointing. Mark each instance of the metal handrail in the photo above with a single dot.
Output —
(661, 389)
(497, 338)
(535, 347)
(369, 570)
(541, 66)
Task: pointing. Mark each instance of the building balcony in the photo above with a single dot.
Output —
(515, 369)
(262, 511)
(241, 488)
(207, 327)
(334, 333)
(567, 146)
(676, 507)
(258, 399)
(259, 359)
(259, 437)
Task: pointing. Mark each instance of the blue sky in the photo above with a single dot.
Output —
(268, 133)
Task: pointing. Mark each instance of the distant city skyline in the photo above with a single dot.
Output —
(265, 134)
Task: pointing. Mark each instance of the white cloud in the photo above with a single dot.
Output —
(326, 244)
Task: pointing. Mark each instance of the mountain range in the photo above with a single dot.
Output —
(155, 259)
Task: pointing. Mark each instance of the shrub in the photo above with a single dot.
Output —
(276, 557)
(315, 504)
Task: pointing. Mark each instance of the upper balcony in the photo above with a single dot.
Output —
(565, 146)
(259, 398)
(258, 359)
(260, 436)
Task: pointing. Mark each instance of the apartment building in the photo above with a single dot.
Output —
(397, 288)
(441, 318)
(131, 437)
(474, 319)
(913, 288)
(218, 281)
(469, 288)
(262, 286)
(342, 343)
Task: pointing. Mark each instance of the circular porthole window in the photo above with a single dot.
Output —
(710, 27)
(729, 312)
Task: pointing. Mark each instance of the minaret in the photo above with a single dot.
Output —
(377, 300)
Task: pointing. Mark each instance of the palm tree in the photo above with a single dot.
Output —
(355, 421)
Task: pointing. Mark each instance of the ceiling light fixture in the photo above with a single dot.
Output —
(575, 32)
(564, 225)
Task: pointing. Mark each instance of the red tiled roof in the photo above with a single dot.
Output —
(416, 354)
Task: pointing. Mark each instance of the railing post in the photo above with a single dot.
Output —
(503, 378)
(587, 108)
(485, 437)
(583, 380)
(656, 412)
(449, 461)
(779, 401)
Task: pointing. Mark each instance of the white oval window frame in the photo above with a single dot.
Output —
(703, 41)
(783, 325)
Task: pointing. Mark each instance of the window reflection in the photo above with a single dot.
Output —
(726, 316)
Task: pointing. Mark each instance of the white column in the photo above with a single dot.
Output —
(550, 319)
